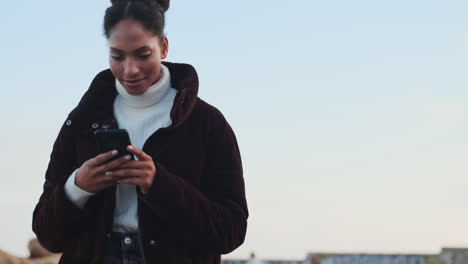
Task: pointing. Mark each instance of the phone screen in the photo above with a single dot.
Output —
(110, 139)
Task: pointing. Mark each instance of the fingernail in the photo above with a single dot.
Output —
(130, 146)
(114, 152)
(108, 172)
(127, 157)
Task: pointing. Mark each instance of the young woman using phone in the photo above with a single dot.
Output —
(182, 199)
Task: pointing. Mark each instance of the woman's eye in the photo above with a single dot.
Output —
(116, 57)
(145, 55)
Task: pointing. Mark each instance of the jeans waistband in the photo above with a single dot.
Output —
(120, 235)
(124, 248)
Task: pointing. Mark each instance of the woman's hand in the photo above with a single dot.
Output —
(93, 176)
(140, 172)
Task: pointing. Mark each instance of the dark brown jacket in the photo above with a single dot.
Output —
(196, 208)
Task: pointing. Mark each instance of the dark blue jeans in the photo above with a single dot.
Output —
(124, 248)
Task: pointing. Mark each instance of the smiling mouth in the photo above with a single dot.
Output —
(133, 81)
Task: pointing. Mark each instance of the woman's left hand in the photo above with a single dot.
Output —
(140, 172)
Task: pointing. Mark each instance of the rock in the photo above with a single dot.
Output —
(38, 255)
(37, 250)
(51, 259)
(6, 258)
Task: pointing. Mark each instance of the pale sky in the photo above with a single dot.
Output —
(351, 116)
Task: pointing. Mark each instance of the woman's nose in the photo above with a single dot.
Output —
(130, 68)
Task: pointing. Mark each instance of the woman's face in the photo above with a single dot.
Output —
(135, 56)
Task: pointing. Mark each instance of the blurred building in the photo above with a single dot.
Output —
(454, 255)
(446, 256)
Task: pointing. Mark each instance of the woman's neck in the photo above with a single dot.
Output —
(153, 95)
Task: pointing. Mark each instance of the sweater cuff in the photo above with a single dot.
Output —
(75, 194)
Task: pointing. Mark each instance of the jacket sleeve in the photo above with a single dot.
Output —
(214, 217)
(55, 217)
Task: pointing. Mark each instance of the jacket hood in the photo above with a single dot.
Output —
(102, 92)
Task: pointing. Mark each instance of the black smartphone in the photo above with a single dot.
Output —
(110, 139)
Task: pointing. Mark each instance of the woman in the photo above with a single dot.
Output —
(182, 200)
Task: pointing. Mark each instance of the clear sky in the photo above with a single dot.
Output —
(351, 116)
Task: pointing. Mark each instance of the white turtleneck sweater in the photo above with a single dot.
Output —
(141, 115)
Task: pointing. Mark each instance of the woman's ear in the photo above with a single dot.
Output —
(164, 47)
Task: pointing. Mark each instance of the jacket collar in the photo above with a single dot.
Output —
(99, 99)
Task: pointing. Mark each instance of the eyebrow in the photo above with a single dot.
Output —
(136, 50)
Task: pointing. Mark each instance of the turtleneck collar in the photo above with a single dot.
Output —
(152, 96)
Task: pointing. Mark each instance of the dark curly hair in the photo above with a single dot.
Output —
(150, 13)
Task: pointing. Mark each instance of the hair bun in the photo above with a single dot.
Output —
(164, 4)
(118, 1)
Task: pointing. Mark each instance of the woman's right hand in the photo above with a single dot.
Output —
(92, 175)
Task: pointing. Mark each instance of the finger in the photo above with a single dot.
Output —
(103, 158)
(101, 181)
(124, 173)
(107, 179)
(114, 164)
(137, 164)
(141, 155)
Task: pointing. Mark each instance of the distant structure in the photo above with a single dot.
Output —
(446, 256)
(454, 255)
(369, 259)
